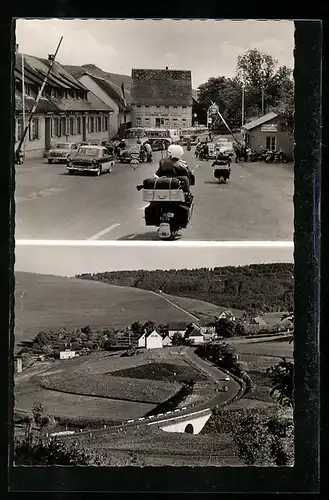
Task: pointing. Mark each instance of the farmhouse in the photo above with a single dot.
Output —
(161, 98)
(193, 333)
(267, 132)
(67, 354)
(150, 340)
(227, 315)
(166, 342)
(66, 112)
(257, 320)
(111, 88)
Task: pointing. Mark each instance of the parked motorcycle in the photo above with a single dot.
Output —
(257, 156)
(270, 156)
(280, 157)
(170, 205)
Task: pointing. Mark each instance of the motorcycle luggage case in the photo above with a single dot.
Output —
(162, 183)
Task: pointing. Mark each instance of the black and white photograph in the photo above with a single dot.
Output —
(148, 130)
(136, 356)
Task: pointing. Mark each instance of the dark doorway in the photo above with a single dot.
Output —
(47, 133)
(189, 429)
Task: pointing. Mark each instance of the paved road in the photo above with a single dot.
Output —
(257, 203)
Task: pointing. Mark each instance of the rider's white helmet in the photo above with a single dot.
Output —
(175, 151)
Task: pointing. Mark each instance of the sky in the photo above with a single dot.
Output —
(206, 47)
(72, 260)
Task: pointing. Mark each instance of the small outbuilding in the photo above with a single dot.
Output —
(166, 342)
(67, 354)
(267, 132)
(193, 334)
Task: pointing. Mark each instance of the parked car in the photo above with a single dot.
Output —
(157, 144)
(91, 159)
(62, 152)
(225, 147)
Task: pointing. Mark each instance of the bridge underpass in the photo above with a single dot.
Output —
(191, 424)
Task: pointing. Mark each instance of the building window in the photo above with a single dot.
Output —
(71, 126)
(62, 127)
(106, 123)
(53, 93)
(34, 129)
(138, 121)
(67, 126)
(99, 124)
(184, 107)
(147, 121)
(139, 106)
(27, 90)
(158, 107)
(175, 107)
(166, 121)
(78, 125)
(64, 93)
(147, 106)
(166, 107)
(271, 143)
(91, 124)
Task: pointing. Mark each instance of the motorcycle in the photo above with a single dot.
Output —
(170, 204)
(270, 156)
(257, 156)
(280, 157)
(222, 168)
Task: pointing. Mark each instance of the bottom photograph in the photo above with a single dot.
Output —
(153, 356)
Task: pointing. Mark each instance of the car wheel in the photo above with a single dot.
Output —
(71, 172)
(99, 171)
(50, 161)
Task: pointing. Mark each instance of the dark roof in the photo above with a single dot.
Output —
(193, 330)
(35, 69)
(115, 78)
(161, 87)
(195, 94)
(109, 82)
(260, 121)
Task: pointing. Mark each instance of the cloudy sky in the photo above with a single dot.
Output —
(208, 48)
(71, 260)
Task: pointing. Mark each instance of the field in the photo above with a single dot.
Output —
(153, 447)
(91, 384)
(162, 371)
(45, 302)
(256, 358)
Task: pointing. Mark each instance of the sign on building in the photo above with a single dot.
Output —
(272, 127)
(213, 109)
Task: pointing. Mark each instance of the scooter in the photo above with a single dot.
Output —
(170, 205)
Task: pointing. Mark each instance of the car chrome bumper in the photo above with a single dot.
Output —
(78, 168)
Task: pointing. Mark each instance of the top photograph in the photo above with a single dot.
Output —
(150, 130)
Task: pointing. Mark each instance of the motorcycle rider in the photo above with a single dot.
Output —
(148, 151)
(220, 158)
(174, 166)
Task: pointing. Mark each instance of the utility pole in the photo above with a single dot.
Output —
(242, 107)
(263, 101)
(23, 99)
(38, 99)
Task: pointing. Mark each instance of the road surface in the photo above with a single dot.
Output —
(256, 204)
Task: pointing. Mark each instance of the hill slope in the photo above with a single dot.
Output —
(44, 302)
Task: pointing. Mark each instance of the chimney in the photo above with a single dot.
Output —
(51, 57)
(16, 48)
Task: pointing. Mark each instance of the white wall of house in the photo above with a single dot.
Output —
(117, 117)
(154, 341)
(66, 354)
(141, 341)
(35, 137)
(199, 339)
(161, 116)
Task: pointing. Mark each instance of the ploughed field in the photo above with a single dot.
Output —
(103, 386)
(45, 302)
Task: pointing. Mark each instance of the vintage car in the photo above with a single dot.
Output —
(157, 144)
(91, 159)
(62, 152)
(130, 152)
(225, 147)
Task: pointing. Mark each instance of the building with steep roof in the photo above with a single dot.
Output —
(150, 340)
(161, 98)
(113, 89)
(193, 334)
(67, 111)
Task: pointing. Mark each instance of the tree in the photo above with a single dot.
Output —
(224, 327)
(41, 450)
(261, 437)
(264, 82)
(137, 327)
(282, 381)
(177, 339)
(149, 326)
(42, 338)
(240, 330)
(38, 412)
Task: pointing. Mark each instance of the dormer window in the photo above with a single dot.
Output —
(27, 90)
